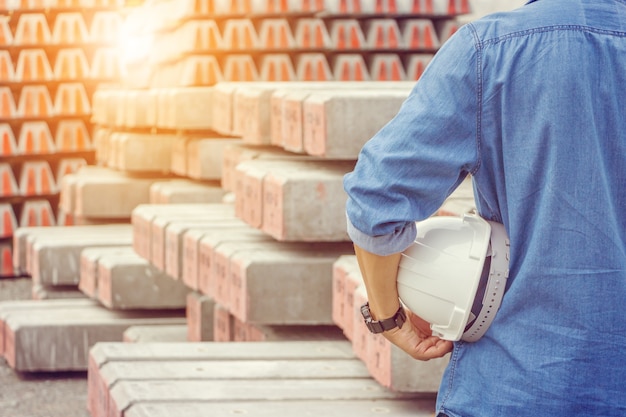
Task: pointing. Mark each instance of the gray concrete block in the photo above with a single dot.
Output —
(249, 180)
(156, 333)
(342, 304)
(105, 352)
(161, 222)
(141, 221)
(189, 109)
(111, 196)
(207, 273)
(131, 282)
(286, 286)
(126, 393)
(204, 157)
(143, 152)
(235, 154)
(251, 332)
(418, 407)
(53, 292)
(89, 257)
(103, 355)
(8, 308)
(337, 124)
(174, 239)
(199, 315)
(137, 101)
(307, 204)
(60, 339)
(191, 249)
(55, 259)
(287, 115)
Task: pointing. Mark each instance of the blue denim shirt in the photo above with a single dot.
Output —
(532, 104)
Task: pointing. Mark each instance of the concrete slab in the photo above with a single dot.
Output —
(56, 259)
(199, 315)
(50, 292)
(353, 280)
(130, 282)
(278, 115)
(341, 311)
(144, 152)
(121, 372)
(175, 233)
(217, 281)
(137, 101)
(223, 324)
(159, 225)
(141, 221)
(191, 249)
(334, 408)
(189, 109)
(306, 205)
(111, 196)
(249, 180)
(250, 332)
(127, 393)
(89, 257)
(171, 333)
(337, 124)
(103, 355)
(283, 286)
(24, 236)
(207, 272)
(8, 308)
(59, 339)
(204, 157)
(179, 155)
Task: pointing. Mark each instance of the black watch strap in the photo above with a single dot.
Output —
(379, 326)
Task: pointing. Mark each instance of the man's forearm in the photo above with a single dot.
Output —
(379, 274)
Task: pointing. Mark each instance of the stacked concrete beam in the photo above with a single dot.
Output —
(171, 333)
(103, 193)
(181, 191)
(293, 200)
(89, 258)
(143, 215)
(192, 239)
(298, 292)
(327, 130)
(53, 258)
(236, 154)
(49, 335)
(199, 315)
(213, 213)
(210, 279)
(175, 237)
(125, 379)
(130, 282)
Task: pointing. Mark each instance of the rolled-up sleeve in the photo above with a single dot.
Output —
(406, 171)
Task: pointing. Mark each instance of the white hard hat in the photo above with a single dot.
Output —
(454, 274)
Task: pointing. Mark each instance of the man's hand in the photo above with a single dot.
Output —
(416, 339)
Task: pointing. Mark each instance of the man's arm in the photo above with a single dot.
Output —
(415, 338)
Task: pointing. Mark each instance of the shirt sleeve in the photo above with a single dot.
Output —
(406, 171)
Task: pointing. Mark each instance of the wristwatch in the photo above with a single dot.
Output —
(379, 326)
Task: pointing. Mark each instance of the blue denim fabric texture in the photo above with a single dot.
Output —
(532, 104)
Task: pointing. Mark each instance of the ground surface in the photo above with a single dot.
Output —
(38, 394)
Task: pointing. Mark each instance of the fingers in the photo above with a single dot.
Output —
(418, 344)
(433, 348)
